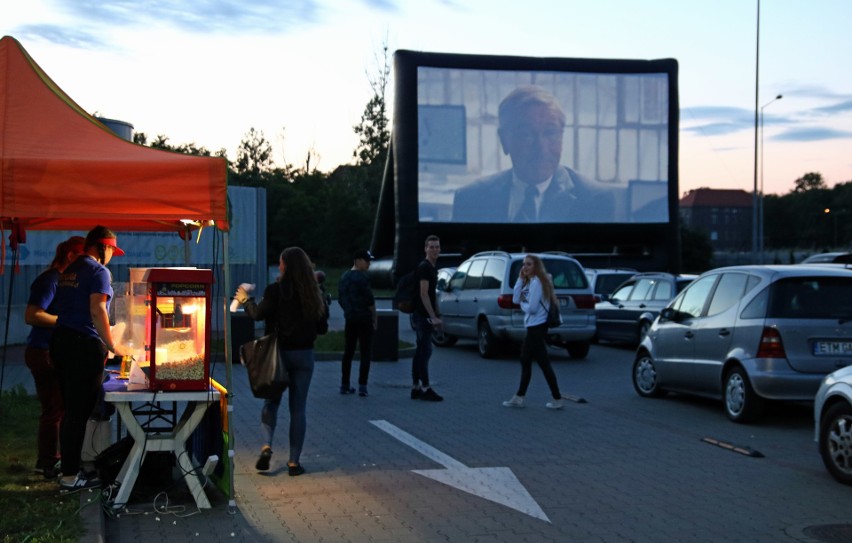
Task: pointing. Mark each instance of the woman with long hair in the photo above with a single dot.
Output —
(533, 291)
(294, 306)
(41, 315)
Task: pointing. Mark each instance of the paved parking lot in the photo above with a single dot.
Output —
(616, 468)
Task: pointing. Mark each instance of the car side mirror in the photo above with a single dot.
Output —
(669, 314)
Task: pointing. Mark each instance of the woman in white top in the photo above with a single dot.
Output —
(533, 291)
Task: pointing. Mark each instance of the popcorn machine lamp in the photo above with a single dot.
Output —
(178, 327)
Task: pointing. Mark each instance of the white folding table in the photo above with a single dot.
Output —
(146, 439)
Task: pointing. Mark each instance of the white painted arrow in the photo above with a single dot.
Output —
(495, 484)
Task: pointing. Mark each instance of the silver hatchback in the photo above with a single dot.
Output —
(746, 334)
(477, 304)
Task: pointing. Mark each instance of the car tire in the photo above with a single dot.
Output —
(443, 339)
(645, 380)
(644, 328)
(835, 441)
(741, 402)
(578, 349)
(485, 340)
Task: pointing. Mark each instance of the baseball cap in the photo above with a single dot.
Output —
(363, 255)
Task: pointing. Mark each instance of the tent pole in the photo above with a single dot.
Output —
(232, 504)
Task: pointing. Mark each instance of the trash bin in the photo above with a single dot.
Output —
(242, 331)
(386, 338)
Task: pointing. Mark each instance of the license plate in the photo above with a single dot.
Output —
(832, 348)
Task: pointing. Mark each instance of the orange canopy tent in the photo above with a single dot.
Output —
(62, 169)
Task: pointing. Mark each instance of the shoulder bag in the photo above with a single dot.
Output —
(266, 372)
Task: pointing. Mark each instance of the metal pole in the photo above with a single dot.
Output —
(756, 115)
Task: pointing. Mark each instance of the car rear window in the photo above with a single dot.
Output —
(608, 282)
(565, 273)
(811, 298)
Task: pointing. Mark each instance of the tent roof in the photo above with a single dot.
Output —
(62, 169)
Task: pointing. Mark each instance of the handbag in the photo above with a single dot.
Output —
(554, 317)
(266, 372)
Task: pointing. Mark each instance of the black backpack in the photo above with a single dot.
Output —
(407, 292)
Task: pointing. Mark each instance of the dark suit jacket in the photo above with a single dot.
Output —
(569, 198)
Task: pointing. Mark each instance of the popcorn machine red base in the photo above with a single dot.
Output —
(170, 315)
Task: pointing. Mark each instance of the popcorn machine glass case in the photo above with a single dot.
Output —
(177, 309)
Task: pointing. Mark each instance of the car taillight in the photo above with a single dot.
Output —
(584, 301)
(771, 345)
(505, 302)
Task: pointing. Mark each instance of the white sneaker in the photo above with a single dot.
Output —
(554, 404)
(516, 401)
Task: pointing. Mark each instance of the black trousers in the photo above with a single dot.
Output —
(358, 331)
(535, 348)
(79, 362)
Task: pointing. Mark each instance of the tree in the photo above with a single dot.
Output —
(373, 131)
(810, 181)
(254, 155)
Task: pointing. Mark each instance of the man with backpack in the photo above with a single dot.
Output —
(424, 320)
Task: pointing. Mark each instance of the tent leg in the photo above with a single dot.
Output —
(232, 504)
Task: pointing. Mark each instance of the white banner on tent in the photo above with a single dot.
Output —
(158, 249)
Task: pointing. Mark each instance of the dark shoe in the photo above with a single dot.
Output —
(80, 482)
(430, 395)
(263, 462)
(346, 389)
(294, 471)
(362, 391)
(49, 472)
(416, 393)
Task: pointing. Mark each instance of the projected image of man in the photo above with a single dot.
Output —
(537, 189)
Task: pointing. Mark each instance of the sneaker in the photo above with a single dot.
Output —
(430, 395)
(516, 401)
(295, 470)
(80, 482)
(263, 461)
(362, 391)
(554, 404)
(416, 393)
(346, 389)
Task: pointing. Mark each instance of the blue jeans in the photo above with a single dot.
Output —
(300, 367)
(423, 352)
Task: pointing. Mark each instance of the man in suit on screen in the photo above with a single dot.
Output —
(537, 189)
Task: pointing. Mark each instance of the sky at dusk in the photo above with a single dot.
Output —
(207, 71)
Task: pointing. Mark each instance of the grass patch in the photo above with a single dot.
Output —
(331, 342)
(33, 510)
(334, 341)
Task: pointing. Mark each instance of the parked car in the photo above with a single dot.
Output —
(629, 311)
(833, 420)
(747, 334)
(605, 280)
(829, 258)
(477, 303)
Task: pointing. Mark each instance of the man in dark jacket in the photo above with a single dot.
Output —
(359, 310)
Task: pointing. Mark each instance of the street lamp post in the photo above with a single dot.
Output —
(754, 210)
(760, 238)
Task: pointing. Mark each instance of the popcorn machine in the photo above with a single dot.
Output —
(170, 310)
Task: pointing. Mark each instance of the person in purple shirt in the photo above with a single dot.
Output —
(40, 314)
(79, 347)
